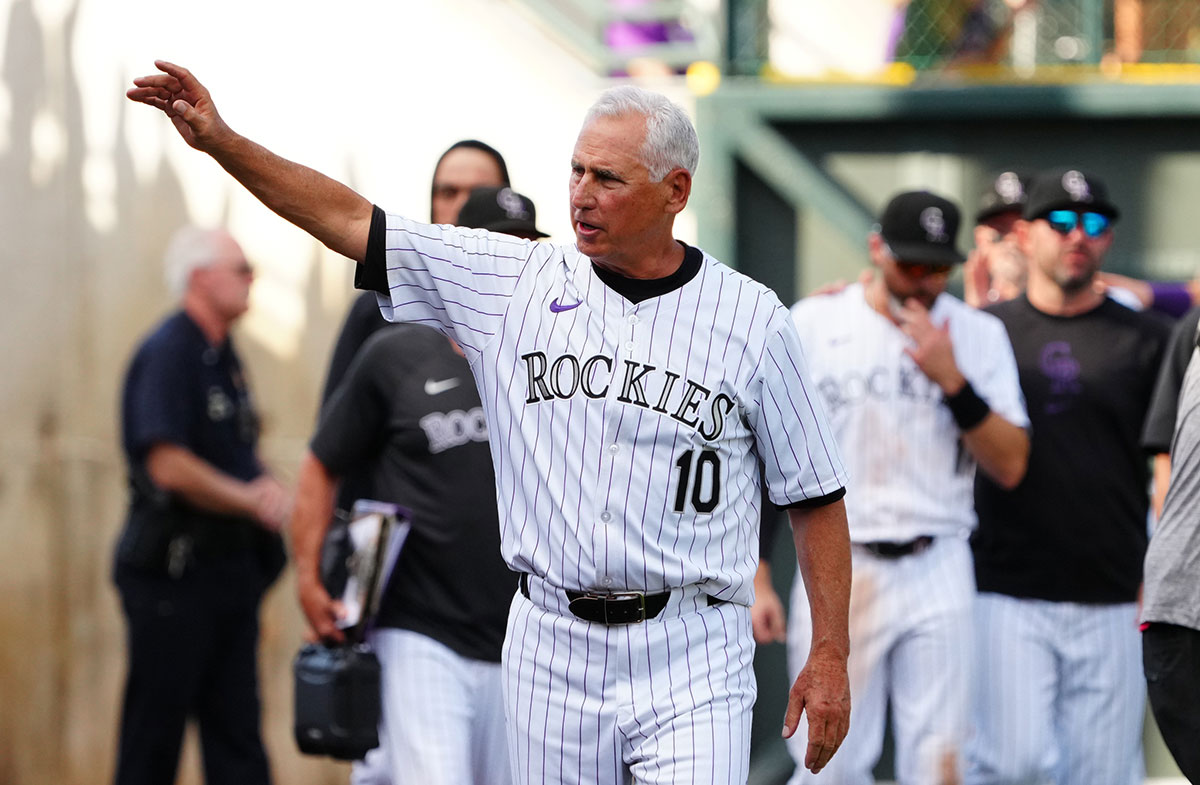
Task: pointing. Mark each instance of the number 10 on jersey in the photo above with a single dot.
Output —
(704, 481)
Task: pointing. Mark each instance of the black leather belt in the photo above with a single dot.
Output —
(626, 607)
(895, 550)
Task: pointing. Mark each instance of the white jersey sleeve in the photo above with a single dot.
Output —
(459, 281)
(785, 403)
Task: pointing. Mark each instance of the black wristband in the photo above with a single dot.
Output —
(967, 407)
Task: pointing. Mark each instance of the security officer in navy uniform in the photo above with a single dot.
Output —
(201, 542)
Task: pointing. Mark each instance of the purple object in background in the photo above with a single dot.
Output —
(1170, 297)
(899, 18)
(626, 35)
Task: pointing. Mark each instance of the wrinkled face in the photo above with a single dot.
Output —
(922, 282)
(225, 283)
(616, 211)
(460, 171)
(1070, 260)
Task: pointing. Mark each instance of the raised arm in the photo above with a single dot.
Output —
(328, 210)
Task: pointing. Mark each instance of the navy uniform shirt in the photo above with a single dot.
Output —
(409, 411)
(183, 391)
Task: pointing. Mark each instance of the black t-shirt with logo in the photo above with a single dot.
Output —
(408, 408)
(1074, 530)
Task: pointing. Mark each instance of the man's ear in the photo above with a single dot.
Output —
(679, 187)
(1021, 235)
(875, 248)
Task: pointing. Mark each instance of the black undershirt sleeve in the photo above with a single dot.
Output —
(816, 501)
(1159, 427)
(371, 275)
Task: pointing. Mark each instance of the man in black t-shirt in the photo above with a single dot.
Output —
(1058, 559)
(409, 418)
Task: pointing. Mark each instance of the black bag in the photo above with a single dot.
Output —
(337, 700)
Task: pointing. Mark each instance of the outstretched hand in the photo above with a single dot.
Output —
(187, 102)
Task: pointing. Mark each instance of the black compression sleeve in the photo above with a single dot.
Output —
(816, 501)
(372, 273)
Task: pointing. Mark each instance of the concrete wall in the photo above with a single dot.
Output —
(93, 186)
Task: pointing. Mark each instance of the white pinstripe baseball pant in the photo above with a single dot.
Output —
(443, 716)
(910, 644)
(1060, 694)
(664, 702)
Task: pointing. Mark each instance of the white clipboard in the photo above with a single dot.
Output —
(377, 532)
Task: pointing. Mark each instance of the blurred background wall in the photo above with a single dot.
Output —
(810, 114)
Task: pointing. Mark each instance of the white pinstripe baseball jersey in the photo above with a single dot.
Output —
(625, 436)
(900, 441)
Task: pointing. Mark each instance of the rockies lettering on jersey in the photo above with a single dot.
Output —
(683, 407)
(451, 429)
(855, 387)
(626, 435)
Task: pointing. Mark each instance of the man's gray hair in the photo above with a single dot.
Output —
(671, 141)
(191, 248)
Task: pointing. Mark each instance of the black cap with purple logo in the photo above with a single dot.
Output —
(1005, 192)
(919, 228)
(1068, 189)
(500, 210)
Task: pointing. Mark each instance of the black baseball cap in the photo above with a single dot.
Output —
(1006, 192)
(919, 227)
(500, 210)
(1068, 189)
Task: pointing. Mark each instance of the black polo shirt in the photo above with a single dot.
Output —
(408, 410)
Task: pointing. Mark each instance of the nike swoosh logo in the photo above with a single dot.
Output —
(555, 307)
(434, 387)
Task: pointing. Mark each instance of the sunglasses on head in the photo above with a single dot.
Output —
(919, 270)
(1065, 221)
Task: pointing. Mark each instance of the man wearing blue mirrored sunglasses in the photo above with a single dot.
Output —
(1058, 559)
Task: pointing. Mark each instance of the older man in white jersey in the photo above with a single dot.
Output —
(631, 385)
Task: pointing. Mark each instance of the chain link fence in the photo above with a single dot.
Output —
(861, 38)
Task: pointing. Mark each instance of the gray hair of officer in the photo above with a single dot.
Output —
(191, 248)
(671, 141)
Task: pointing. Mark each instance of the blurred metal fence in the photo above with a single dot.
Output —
(892, 39)
(1027, 33)
(1024, 37)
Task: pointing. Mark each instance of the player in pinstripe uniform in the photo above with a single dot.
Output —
(919, 388)
(631, 383)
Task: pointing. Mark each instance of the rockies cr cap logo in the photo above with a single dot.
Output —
(1008, 187)
(1076, 185)
(512, 205)
(934, 224)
